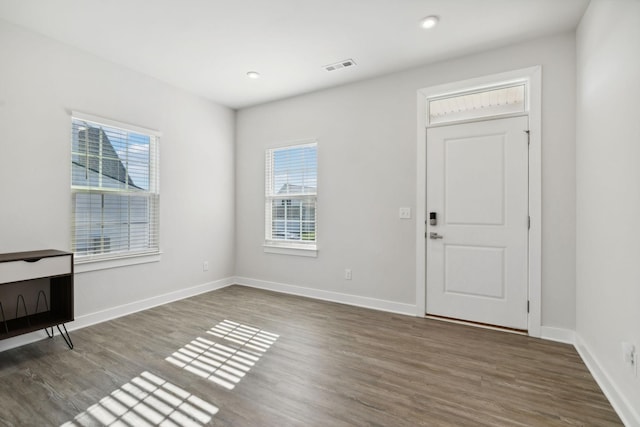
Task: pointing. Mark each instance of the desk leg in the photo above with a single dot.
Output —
(65, 335)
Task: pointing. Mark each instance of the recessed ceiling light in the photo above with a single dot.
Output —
(429, 22)
(253, 75)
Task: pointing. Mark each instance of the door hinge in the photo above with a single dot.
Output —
(528, 132)
(527, 306)
(529, 222)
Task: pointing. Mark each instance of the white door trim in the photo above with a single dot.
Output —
(533, 76)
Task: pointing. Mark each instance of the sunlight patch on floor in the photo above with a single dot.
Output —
(147, 400)
(224, 364)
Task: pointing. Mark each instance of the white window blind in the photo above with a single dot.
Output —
(480, 104)
(115, 189)
(291, 177)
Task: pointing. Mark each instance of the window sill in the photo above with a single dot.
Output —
(296, 250)
(86, 265)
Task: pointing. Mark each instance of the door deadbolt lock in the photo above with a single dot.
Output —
(433, 218)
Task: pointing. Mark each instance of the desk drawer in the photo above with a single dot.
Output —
(14, 271)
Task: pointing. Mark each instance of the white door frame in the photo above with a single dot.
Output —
(533, 77)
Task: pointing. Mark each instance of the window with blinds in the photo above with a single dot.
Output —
(115, 189)
(291, 179)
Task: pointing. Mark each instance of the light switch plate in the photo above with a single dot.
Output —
(405, 213)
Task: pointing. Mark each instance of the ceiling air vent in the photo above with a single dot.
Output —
(338, 65)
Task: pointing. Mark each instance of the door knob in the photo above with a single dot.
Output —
(435, 236)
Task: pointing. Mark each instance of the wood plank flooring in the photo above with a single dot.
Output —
(282, 360)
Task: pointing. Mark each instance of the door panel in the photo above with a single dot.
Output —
(475, 271)
(473, 183)
(477, 183)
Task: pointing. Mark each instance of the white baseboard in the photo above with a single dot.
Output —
(562, 335)
(625, 410)
(119, 311)
(359, 301)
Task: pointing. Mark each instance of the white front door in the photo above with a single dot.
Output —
(477, 253)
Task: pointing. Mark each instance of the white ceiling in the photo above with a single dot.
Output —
(207, 46)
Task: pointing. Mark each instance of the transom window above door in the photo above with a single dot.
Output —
(484, 103)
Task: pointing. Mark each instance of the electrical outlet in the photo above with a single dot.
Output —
(630, 356)
(347, 274)
(205, 266)
(405, 213)
(627, 352)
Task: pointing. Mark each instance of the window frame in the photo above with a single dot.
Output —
(289, 246)
(90, 262)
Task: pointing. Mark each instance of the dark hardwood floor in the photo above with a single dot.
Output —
(246, 357)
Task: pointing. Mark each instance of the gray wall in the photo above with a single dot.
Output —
(608, 192)
(367, 169)
(41, 81)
